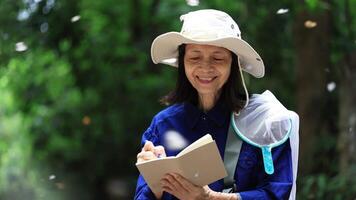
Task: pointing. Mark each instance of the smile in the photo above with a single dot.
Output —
(206, 80)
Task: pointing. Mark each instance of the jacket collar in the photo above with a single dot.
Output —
(219, 114)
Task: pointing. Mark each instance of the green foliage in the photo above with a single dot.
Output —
(312, 4)
(35, 90)
(322, 186)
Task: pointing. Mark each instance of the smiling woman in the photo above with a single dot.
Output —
(231, 91)
(210, 88)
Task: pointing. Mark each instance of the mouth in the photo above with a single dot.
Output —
(206, 80)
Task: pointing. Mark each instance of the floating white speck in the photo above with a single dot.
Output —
(75, 18)
(310, 24)
(282, 11)
(331, 86)
(51, 177)
(174, 140)
(21, 46)
(193, 2)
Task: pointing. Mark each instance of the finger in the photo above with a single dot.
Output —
(167, 183)
(169, 190)
(159, 151)
(148, 155)
(167, 186)
(145, 155)
(187, 185)
(139, 158)
(176, 183)
(148, 146)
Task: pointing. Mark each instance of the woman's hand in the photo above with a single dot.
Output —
(182, 188)
(149, 152)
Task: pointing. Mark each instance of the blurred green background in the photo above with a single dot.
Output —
(78, 88)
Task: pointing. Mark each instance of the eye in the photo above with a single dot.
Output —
(217, 59)
(195, 58)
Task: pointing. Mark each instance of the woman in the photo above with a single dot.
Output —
(210, 56)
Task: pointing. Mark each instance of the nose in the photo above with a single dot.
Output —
(206, 64)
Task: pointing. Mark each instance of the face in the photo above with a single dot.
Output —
(207, 68)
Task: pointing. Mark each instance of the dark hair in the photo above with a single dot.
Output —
(232, 94)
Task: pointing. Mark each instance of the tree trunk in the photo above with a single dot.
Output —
(347, 120)
(347, 99)
(312, 59)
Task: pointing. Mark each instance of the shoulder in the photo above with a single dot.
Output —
(266, 99)
(267, 107)
(158, 124)
(172, 111)
(265, 102)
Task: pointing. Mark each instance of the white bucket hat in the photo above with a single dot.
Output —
(209, 27)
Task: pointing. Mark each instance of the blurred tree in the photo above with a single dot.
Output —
(347, 94)
(312, 33)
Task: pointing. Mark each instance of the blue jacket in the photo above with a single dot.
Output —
(191, 123)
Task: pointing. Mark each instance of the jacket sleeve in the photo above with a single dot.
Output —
(277, 185)
(143, 192)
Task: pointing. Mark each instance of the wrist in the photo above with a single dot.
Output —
(212, 195)
(222, 196)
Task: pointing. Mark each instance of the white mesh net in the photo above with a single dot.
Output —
(266, 123)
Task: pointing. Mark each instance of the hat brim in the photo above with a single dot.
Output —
(165, 47)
